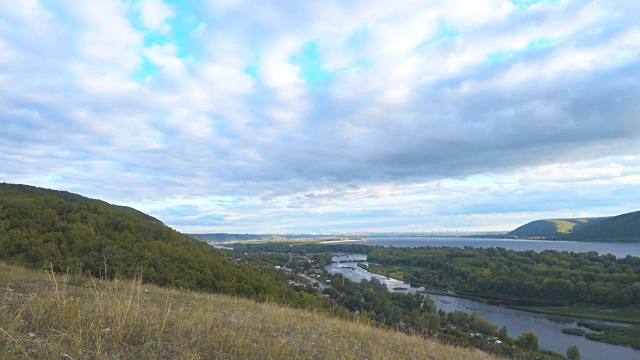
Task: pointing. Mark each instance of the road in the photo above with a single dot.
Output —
(321, 286)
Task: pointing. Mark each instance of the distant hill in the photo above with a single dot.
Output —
(553, 227)
(620, 228)
(41, 228)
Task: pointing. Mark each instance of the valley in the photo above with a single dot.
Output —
(92, 245)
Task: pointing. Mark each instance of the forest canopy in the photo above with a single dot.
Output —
(587, 278)
(41, 228)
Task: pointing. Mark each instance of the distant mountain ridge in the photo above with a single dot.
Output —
(553, 227)
(620, 228)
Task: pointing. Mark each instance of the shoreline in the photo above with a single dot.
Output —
(342, 241)
(527, 305)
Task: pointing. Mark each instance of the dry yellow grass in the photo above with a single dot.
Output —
(59, 317)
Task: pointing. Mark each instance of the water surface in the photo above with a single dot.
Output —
(618, 249)
(548, 328)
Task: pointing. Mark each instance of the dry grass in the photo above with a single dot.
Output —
(43, 316)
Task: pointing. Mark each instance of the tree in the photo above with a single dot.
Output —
(573, 352)
(503, 334)
(529, 341)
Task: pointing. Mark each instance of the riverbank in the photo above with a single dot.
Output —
(628, 316)
(615, 335)
(339, 241)
(548, 328)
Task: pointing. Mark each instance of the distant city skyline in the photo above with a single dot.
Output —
(242, 116)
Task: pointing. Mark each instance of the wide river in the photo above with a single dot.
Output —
(548, 328)
(617, 249)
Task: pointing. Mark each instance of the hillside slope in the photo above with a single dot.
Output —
(10, 190)
(41, 228)
(74, 317)
(621, 228)
(553, 227)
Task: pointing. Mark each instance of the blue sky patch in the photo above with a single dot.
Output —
(359, 36)
(145, 70)
(311, 68)
(523, 4)
(183, 28)
(252, 68)
(540, 43)
(501, 56)
(444, 32)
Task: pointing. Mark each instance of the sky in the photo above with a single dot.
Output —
(245, 116)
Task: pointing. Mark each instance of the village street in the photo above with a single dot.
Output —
(321, 286)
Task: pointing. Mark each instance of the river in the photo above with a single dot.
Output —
(548, 328)
(617, 249)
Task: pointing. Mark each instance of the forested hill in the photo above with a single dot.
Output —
(8, 190)
(553, 227)
(40, 228)
(621, 228)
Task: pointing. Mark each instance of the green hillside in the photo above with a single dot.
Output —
(621, 228)
(553, 228)
(10, 190)
(117, 312)
(42, 228)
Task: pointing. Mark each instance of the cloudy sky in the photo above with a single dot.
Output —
(319, 116)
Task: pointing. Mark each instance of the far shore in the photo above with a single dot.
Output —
(340, 241)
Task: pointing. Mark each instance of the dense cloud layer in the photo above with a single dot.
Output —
(259, 116)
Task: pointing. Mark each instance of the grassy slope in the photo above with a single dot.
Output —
(553, 227)
(46, 317)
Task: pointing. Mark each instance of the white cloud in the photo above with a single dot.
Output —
(410, 103)
(616, 170)
(191, 124)
(167, 58)
(470, 15)
(155, 13)
(277, 72)
(104, 35)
